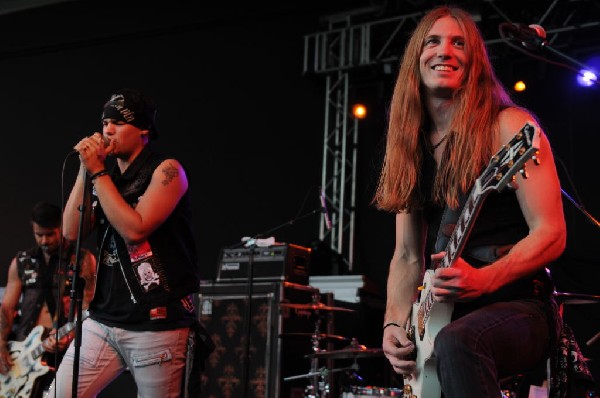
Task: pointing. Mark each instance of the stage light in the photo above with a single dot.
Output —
(586, 78)
(359, 111)
(588, 74)
(520, 86)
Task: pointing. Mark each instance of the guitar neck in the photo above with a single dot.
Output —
(463, 227)
(501, 170)
(60, 333)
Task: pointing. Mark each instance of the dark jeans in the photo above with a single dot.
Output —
(475, 351)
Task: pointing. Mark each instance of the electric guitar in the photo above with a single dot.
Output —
(27, 363)
(428, 316)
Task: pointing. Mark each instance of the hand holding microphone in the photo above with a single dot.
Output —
(92, 151)
(95, 142)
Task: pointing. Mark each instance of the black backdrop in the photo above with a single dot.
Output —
(236, 110)
(233, 107)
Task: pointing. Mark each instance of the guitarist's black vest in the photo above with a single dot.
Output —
(499, 225)
(40, 283)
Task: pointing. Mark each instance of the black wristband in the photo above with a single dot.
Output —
(98, 174)
(391, 324)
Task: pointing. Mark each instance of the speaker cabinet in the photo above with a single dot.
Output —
(255, 368)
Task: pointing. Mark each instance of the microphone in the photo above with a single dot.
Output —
(106, 141)
(531, 36)
(324, 209)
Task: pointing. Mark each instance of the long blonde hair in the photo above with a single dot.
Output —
(470, 143)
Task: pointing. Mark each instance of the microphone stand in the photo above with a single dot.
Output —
(544, 45)
(76, 292)
(538, 41)
(247, 321)
(251, 244)
(581, 209)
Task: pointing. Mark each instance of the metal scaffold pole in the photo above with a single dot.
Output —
(338, 178)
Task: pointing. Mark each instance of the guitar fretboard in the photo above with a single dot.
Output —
(457, 239)
(60, 333)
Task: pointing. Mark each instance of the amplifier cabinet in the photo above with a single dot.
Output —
(223, 310)
(281, 262)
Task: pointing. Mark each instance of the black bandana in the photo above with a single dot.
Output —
(132, 107)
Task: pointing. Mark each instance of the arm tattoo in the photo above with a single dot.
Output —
(170, 172)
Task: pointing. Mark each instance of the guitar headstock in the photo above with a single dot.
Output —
(510, 159)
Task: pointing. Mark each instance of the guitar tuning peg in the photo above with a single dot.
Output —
(524, 173)
(513, 185)
(536, 160)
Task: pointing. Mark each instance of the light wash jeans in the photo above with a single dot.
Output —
(156, 361)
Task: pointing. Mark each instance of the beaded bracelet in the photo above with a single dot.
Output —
(101, 173)
(391, 324)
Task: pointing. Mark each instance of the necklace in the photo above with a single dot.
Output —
(434, 147)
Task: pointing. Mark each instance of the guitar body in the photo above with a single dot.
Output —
(18, 382)
(422, 331)
(27, 362)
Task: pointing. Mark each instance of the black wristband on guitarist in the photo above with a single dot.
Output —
(391, 324)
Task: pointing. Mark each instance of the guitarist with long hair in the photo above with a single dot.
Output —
(36, 278)
(448, 116)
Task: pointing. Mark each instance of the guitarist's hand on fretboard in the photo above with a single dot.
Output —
(398, 349)
(461, 282)
(50, 344)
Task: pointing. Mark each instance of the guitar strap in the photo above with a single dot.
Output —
(448, 223)
(487, 254)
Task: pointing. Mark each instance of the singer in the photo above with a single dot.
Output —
(142, 312)
(449, 114)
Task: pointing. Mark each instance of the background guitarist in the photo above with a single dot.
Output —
(38, 277)
(449, 114)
